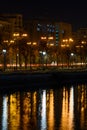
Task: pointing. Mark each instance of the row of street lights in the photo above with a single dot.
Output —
(66, 43)
(16, 38)
(43, 53)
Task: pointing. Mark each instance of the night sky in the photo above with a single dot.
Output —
(71, 12)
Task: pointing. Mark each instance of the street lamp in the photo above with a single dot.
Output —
(4, 53)
(30, 44)
(43, 55)
(67, 47)
(17, 37)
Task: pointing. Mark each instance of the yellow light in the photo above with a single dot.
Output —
(83, 42)
(43, 38)
(16, 34)
(11, 41)
(51, 44)
(63, 45)
(50, 38)
(79, 46)
(34, 43)
(70, 39)
(24, 35)
(28, 43)
(5, 41)
(63, 40)
(82, 46)
(67, 45)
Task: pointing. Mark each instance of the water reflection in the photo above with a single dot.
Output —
(4, 113)
(64, 108)
(14, 111)
(81, 106)
(43, 111)
(67, 114)
(50, 110)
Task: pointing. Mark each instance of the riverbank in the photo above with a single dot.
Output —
(25, 79)
(37, 79)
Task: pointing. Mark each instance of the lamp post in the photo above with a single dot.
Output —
(4, 53)
(67, 46)
(17, 37)
(30, 44)
(43, 54)
(17, 60)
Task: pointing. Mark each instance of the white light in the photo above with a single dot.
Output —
(72, 54)
(4, 50)
(43, 117)
(4, 113)
(44, 53)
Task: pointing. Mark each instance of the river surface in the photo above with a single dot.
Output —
(62, 108)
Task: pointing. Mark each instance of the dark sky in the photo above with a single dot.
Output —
(68, 11)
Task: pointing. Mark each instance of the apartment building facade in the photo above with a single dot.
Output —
(15, 21)
(45, 28)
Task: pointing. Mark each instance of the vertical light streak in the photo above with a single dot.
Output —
(71, 109)
(43, 115)
(83, 105)
(26, 110)
(4, 114)
(51, 111)
(67, 110)
(14, 111)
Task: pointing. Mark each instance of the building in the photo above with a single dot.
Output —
(62, 31)
(38, 28)
(5, 28)
(15, 21)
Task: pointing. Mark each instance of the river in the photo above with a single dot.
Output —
(60, 108)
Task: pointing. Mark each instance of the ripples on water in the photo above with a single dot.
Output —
(64, 108)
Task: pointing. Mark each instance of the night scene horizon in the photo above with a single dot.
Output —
(70, 12)
(43, 65)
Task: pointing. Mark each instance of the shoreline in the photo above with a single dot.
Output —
(32, 80)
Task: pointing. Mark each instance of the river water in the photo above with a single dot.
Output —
(62, 108)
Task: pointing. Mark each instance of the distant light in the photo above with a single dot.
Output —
(44, 53)
(5, 41)
(40, 52)
(4, 51)
(17, 54)
(16, 34)
(50, 38)
(34, 43)
(70, 39)
(51, 44)
(43, 38)
(11, 41)
(24, 35)
(28, 43)
(72, 54)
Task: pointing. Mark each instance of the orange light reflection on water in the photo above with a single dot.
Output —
(67, 110)
(51, 111)
(14, 111)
